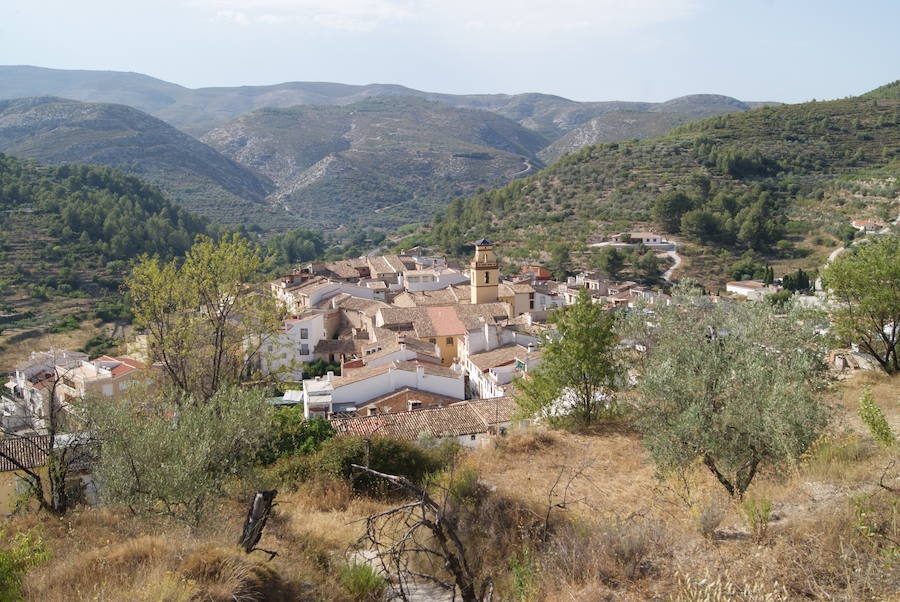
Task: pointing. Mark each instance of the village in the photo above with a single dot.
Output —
(404, 345)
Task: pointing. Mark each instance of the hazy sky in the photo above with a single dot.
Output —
(787, 50)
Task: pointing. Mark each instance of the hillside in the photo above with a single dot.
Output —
(750, 180)
(400, 157)
(196, 111)
(887, 91)
(618, 530)
(57, 131)
(612, 127)
(68, 234)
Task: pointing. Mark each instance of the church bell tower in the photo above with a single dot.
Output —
(484, 273)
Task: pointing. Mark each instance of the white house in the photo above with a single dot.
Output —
(492, 355)
(295, 342)
(331, 394)
(431, 279)
(751, 289)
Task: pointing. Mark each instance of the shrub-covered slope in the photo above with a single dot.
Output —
(57, 131)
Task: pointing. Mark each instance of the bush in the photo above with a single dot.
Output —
(335, 459)
(874, 418)
(293, 434)
(757, 513)
(361, 581)
(66, 324)
(708, 516)
(24, 550)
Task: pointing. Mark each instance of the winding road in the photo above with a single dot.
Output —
(667, 275)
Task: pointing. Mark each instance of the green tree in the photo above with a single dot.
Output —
(578, 375)
(292, 433)
(864, 287)
(163, 453)
(609, 261)
(668, 208)
(206, 325)
(734, 385)
(560, 261)
(646, 265)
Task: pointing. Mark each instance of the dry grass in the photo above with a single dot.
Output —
(617, 532)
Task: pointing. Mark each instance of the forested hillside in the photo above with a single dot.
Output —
(57, 131)
(69, 231)
(760, 181)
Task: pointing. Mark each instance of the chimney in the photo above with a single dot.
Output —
(329, 376)
(530, 347)
(420, 372)
(402, 342)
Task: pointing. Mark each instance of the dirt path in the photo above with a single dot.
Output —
(667, 275)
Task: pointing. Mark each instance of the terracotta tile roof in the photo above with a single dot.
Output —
(444, 322)
(450, 421)
(335, 346)
(124, 365)
(441, 296)
(445, 399)
(476, 315)
(496, 410)
(500, 356)
(348, 302)
(342, 269)
(386, 264)
(26, 451)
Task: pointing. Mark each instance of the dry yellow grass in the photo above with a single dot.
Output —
(623, 534)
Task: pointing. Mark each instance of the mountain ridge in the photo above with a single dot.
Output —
(59, 131)
(197, 110)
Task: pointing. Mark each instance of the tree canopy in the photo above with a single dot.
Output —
(205, 322)
(731, 384)
(864, 287)
(578, 374)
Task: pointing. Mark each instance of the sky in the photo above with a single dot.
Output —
(649, 50)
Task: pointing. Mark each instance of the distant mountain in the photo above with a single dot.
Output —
(57, 131)
(652, 121)
(611, 127)
(197, 111)
(383, 161)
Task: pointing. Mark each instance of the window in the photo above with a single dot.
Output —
(415, 405)
(487, 277)
(304, 333)
(304, 349)
(373, 411)
(473, 437)
(432, 341)
(449, 340)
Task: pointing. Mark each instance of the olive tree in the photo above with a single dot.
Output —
(578, 373)
(864, 288)
(734, 385)
(173, 458)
